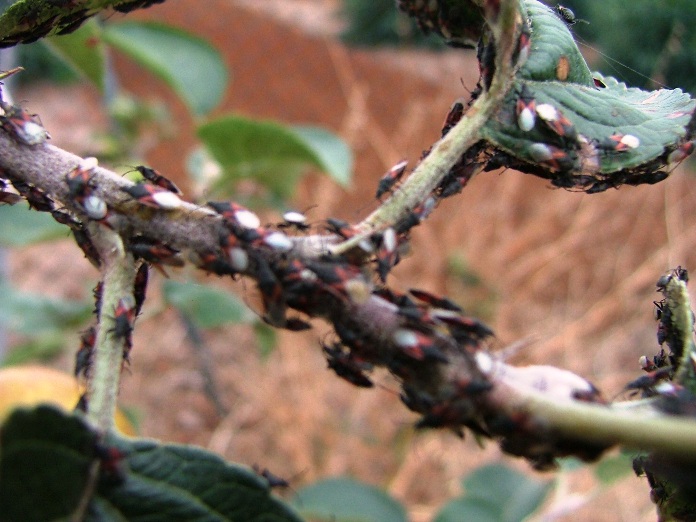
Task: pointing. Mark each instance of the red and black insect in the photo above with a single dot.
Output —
(153, 196)
(88, 249)
(552, 156)
(295, 324)
(600, 186)
(301, 286)
(457, 178)
(79, 179)
(243, 223)
(416, 400)
(445, 414)
(418, 346)
(124, 316)
(397, 298)
(277, 240)
(334, 276)
(97, 294)
(158, 179)
(453, 116)
(568, 181)
(554, 120)
(96, 208)
(296, 220)
(591, 395)
(83, 356)
(34, 196)
(465, 330)
(453, 186)
(82, 403)
(619, 143)
(340, 227)
(216, 263)
(8, 197)
(392, 176)
(155, 252)
(646, 383)
(22, 126)
(111, 467)
(486, 58)
(350, 336)
(524, 45)
(140, 287)
(433, 300)
(416, 216)
(64, 218)
(661, 359)
(525, 109)
(271, 294)
(680, 273)
(347, 366)
(274, 481)
(388, 254)
(406, 223)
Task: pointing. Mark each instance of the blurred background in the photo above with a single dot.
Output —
(571, 275)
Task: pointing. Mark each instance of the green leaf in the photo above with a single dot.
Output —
(83, 51)
(552, 41)
(347, 500)
(47, 452)
(657, 121)
(271, 153)
(514, 494)
(188, 64)
(20, 226)
(34, 315)
(331, 151)
(611, 469)
(44, 455)
(42, 348)
(186, 483)
(582, 130)
(206, 306)
(266, 338)
(462, 509)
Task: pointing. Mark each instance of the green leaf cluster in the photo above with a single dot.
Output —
(45, 461)
(496, 493)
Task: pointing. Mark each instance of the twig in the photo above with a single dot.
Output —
(205, 366)
(118, 272)
(448, 151)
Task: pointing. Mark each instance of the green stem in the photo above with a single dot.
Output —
(118, 272)
(446, 152)
(591, 422)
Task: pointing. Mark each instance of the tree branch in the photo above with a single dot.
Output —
(439, 356)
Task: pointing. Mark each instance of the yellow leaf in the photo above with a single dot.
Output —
(33, 385)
